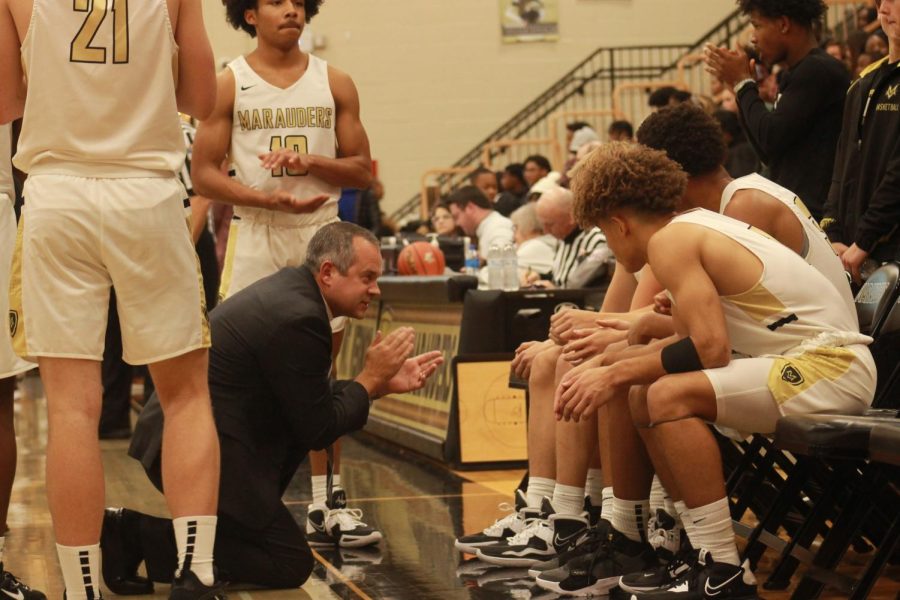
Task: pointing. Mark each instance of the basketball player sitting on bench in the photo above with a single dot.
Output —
(273, 402)
(732, 287)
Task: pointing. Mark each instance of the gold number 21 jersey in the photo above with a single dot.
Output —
(300, 117)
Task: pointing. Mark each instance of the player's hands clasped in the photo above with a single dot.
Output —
(286, 159)
(286, 202)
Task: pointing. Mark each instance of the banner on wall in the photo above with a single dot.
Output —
(529, 20)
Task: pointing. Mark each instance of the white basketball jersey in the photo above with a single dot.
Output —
(7, 187)
(300, 117)
(791, 304)
(101, 90)
(817, 249)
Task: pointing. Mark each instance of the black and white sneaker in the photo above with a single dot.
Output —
(597, 573)
(664, 575)
(13, 588)
(502, 528)
(592, 511)
(333, 524)
(707, 580)
(568, 531)
(187, 586)
(663, 532)
(594, 537)
(531, 545)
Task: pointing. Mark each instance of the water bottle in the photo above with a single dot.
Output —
(510, 268)
(495, 268)
(471, 263)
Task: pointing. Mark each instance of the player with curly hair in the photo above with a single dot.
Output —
(289, 125)
(797, 140)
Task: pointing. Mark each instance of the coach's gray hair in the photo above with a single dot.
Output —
(525, 219)
(334, 243)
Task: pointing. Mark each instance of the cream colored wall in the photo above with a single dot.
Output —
(435, 78)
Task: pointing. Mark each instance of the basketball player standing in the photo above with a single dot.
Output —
(101, 143)
(289, 125)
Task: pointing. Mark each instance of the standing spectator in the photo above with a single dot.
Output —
(797, 139)
(473, 212)
(536, 167)
(620, 131)
(515, 190)
(863, 208)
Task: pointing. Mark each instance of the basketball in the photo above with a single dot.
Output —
(420, 258)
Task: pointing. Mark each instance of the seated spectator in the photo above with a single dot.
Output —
(555, 212)
(534, 249)
(515, 189)
(474, 213)
(620, 131)
(442, 222)
(576, 138)
(877, 45)
(536, 167)
(486, 181)
(667, 96)
(838, 50)
(741, 159)
(862, 63)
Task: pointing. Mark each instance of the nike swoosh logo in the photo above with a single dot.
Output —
(715, 590)
(18, 595)
(244, 88)
(562, 541)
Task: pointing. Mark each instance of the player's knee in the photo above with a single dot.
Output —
(665, 402)
(637, 403)
(543, 367)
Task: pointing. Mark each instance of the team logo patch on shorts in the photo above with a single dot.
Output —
(13, 323)
(791, 375)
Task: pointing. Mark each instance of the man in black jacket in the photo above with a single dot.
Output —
(863, 209)
(797, 140)
(273, 402)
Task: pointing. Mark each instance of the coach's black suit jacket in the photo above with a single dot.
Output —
(272, 398)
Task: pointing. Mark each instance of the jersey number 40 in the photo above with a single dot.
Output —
(81, 49)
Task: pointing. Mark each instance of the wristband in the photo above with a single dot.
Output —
(742, 84)
(681, 357)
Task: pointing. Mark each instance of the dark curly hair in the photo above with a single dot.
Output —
(623, 175)
(803, 12)
(687, 135)
(234, 12)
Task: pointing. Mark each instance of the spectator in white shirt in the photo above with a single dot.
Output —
(474, 213)
(535, 250)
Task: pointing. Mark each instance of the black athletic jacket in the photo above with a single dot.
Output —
(797, 140)
(864, 201)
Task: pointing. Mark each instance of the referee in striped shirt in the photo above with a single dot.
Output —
(554, 210)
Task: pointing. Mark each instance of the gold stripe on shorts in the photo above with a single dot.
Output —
(16, 316)
(791, 376)
(228, 267)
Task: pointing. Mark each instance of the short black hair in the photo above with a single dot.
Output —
(480, 171)
(803, 12)
(621, 127)
(688, 136)
(729, 122)
(516, 170)
(468, 195)
(660, 97)
(540, 161)
(234, 12)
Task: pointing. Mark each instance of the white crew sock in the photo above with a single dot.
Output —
(606, 510)
(593, 486)
(657, 495)
(195, 538)
(320, 487)
(711, 529)
(683, 518)
(81, 571)
(630, 518)
(538, 488)
(568, 499)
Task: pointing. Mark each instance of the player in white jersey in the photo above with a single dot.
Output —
(10, 365)
(288, 124)
(733, 287)
(101, 144)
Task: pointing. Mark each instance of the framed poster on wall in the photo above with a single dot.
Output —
(529, 20)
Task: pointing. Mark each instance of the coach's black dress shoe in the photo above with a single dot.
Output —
(122, 554)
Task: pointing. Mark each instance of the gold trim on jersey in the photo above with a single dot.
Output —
(228, 266)
(757, 302)
(793, 375)
(16, 315)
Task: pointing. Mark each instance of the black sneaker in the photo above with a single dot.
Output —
(12, 587)
(502, 528)
(597, 573)
(707, 579)
(532, 545)
(187, 587)
(592, 511)
(122, 553)
(333, 524)
(662, 576)
(594, 537)
(664, 533)
(568, 531)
